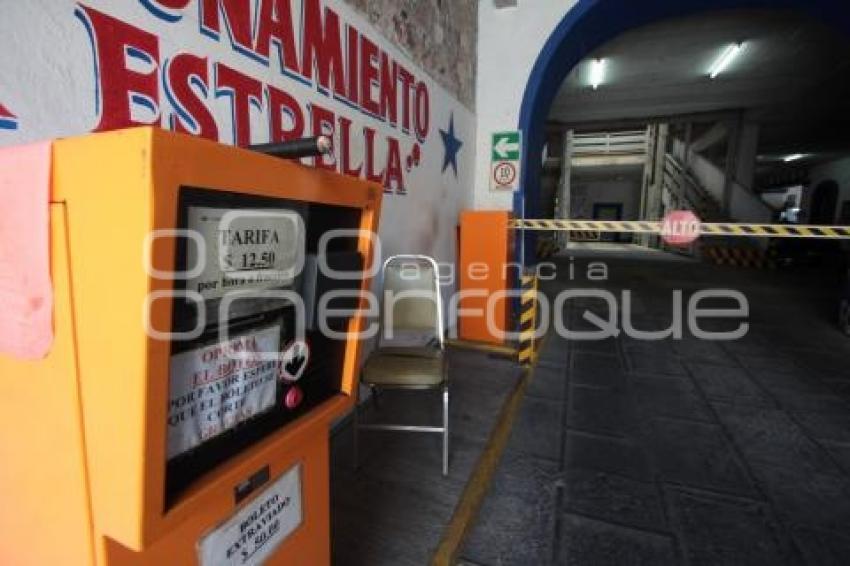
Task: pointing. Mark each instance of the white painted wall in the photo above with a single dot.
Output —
(588, 192)
(509, 41)
(777, 200)
(745, 205)
(49, 91)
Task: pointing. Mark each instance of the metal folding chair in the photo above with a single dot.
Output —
(411, 350)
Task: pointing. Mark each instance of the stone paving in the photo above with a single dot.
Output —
(394, 509)
(681, 451)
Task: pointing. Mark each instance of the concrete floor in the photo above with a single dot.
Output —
(681, 451)
(394, 510)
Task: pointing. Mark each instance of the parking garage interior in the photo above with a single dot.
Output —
(682, 450)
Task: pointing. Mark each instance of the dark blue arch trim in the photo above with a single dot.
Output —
(591, 23)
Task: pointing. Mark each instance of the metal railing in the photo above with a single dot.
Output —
(687, 190)
(610, 143)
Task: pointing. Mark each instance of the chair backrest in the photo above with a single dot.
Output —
(411, 302)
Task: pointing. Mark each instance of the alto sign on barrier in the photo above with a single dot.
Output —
(505, 161)
(680, 228)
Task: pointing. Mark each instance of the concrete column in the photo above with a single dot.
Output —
(745, 166)
(689, 129)
(646, 181)
(655, 186)
(742, 149)
(654, 211)
(563, 210)
(731, 164)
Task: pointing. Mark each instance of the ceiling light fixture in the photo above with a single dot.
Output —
(597, 73)
(793, 157)
(729, 54)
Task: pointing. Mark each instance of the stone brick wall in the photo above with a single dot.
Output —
(439, 35)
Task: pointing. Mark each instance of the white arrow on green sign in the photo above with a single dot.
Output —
(505, 165)
(506, 146)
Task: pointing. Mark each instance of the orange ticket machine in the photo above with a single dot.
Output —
(182, 413)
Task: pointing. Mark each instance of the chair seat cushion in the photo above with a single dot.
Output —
(412, 351)
(390, 368)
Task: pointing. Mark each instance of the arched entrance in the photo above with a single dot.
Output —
(588, 25)
(824, 201)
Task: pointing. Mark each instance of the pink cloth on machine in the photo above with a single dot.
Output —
(26, 292)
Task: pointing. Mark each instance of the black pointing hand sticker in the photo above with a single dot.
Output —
(295, 361)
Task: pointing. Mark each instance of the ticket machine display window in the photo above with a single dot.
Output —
(250, 370)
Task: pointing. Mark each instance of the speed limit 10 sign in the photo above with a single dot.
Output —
(504, 175)
(505, 161)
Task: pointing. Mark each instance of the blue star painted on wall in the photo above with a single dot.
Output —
(451, 146)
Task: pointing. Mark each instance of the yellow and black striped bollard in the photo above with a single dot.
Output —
(527, 319)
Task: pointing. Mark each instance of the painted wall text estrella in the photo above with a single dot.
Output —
(136, 85)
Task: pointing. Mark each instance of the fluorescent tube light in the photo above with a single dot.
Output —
(793, 157)
(597, 73)
(729, 54)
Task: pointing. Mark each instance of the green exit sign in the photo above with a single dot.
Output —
(506, 146)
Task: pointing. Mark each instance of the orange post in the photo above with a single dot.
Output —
(84, 433)
(486, 246)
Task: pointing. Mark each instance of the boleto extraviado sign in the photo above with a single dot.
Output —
(252, 535)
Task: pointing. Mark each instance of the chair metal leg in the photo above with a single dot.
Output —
(371, 425)
(446, 431)
(355, 455)
(375, 392)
